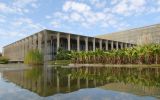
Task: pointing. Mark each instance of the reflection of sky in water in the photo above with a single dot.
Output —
(9, 91)
(0, 75)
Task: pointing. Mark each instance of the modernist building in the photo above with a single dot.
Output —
(151, 33)
(48, 42)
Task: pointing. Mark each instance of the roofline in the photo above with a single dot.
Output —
(131, 29)
(64, 33)
(24, 38)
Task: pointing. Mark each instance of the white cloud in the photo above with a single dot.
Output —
(4, 8)
(55, 24)
(129, 7)
(17, 6)
(101, 13)
(83, 14)
(24, 3)
(28, 23)
(2, 19)
(20, 27)
(113, 2)
(98, 3)
(34, 5)
(48, 17)
(75, 6)
(76, 17)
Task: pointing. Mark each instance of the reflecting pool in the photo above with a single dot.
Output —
(80, 83)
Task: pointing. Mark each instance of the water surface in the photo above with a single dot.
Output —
(83, 83)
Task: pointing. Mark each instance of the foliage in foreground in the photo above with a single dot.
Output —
(33, 57)
(143, 54)
(63, 54)
(3, 60)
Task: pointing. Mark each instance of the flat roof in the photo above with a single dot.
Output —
(60, 32)
(132, 29)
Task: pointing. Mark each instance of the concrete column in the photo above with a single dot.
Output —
(40, 42)
(30, 42)
(23, 49)
(117, 45)
(35, 42)
(106, 44)
(125, 45)
(130, 45)
(17, 51)
(78, 43)
(25, 46)
(45, 46)
(3, 52)
(17, 48)
(121, 45)
(94, 44)
(100, 44)
(69, 42)
(51, 50)
(86, 44)
(111, 45)
(58, 40)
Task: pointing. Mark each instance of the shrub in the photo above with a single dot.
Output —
(4, 60)
(142, 54)
(63, 54)
(34, 57)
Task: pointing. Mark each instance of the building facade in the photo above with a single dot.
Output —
(137, 35)
(48, 42)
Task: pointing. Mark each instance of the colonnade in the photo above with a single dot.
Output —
(119, 45)
(49, 46)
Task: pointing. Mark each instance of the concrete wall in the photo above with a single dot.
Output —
(150, 33)
(48, 42)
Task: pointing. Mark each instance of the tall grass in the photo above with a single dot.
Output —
(34, 57)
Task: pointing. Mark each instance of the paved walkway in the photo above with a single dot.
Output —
(5, 67)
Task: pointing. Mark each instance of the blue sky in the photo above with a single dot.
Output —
(20, 18)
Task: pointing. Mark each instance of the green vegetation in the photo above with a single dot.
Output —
(63, 57)
(143, 54)
(33, 57)
(3, 60)
(63, 54)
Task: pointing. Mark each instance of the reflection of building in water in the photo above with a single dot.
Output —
(48, 81)
(131, 88)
